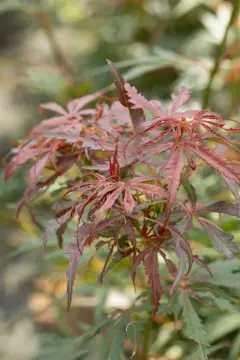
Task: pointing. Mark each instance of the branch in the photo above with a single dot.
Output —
(219, 54)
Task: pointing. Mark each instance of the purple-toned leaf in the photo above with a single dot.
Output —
(71, 136)
(23, 156)
(77, 104)
(138, 260)
(219, 163)
(53, 107)
(222, 207)
(233, 186)
(103, 225)
(75, 249)
(50, 230)
(179, 100)
(149, 189)
(60, 232)
(221, 240)
(175, 167)
(180, 273)
(151, 268)
(139, 102)
(37, 169)
(179, 239)
(128, 200)
(141, 179)
(158, 149)
(137, 115)
(111, 199)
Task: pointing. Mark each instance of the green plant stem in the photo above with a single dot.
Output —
(219, 54)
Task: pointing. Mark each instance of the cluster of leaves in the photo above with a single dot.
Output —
(197, 313)
(130, 169)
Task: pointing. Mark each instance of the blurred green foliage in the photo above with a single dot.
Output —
(158, 45)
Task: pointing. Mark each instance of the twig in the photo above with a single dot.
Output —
(219, 55)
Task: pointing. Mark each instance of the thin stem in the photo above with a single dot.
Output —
(219, 55)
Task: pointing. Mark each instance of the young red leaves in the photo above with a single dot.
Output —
(131, 200)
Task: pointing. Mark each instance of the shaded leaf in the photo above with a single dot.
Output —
(118, 256)
(75, 249)
(174, 168)
(189, 190)
(112, 346)
(223, 207)
(51, 229)
(180, 273)
(151, 268)
(221, 240)
(195, 330)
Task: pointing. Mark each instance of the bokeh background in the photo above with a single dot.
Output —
(55, 50)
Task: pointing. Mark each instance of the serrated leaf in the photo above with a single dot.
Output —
(213, 289)
(224, 207)
(175, 167)
(118, 256)
(189, 190)
(224, 304)
(225, 273)
(151, 269)
(221, 240)
(112, 346)
(195, 330)
(137, 115)
(75, 249)
(199, 354)
(219, 163)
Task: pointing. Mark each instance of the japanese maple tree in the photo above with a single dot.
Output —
(132, 171)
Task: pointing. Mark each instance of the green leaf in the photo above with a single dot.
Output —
(118, 256)
(213, 289)
(195, 330)
(200, 353)
(235, 348)
(112, 346)
(224, 304)
(221, 240)
(189, 190)
(225, 273)
(223, 326)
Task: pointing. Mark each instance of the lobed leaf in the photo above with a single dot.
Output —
(219, 163)
(221, 240)
(195, 330)
(75, 249)
(174, 168)
(137, 115)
